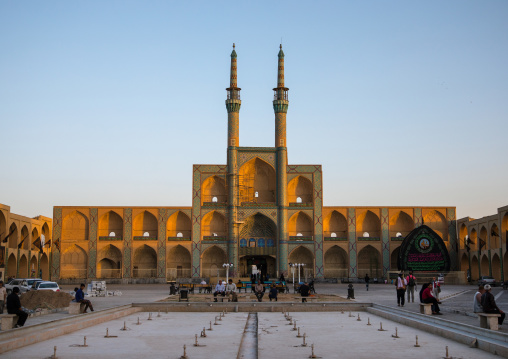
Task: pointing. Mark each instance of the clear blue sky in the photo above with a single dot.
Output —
(111, 103)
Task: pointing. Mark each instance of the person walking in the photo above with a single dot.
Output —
(304, 291)
(489, 304)
(14, 307)
(401, 289)
(477, 300)
(367, 280)
(3, 296)
(411, 287)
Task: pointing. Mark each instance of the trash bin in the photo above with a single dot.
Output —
(350, 292)
(184, 295)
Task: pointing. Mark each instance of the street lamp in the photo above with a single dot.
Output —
(293, 266)
(227, 266)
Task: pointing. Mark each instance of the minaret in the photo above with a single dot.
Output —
(280, 107)
(233, 104)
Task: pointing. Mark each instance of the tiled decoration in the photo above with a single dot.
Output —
(385, 240)
(351, 227)
(127, 242)
(452, 237)
(92, 244)
(57, 236)
(161, 243)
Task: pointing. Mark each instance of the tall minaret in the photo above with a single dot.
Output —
(280, 107)
(233, 104)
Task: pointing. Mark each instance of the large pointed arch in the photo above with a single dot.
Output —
(109, 262)
(25, 237)
(145, 262)
(14, 236)
(258, 226)
(212, 260)
(73, 262)
(257, 182)
(213, 224)
(213, 190)
(300, 190)
(300, 225)
(23, 267)
(369, 262)
(145, 222)
(437, 222)
(368, 222)
(12, 266)
(336, 263)
(179, 225)
(335, 225)
(179, 262)
(401, 223)
(74, 227)
(110, 225)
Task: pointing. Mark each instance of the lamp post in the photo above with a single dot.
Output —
(227, 266)
(293, 266)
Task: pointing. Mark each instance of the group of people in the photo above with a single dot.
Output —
(484, 302)
(429, 292)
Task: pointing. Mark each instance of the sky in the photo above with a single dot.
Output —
(110, 103)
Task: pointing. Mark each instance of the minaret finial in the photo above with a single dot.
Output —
(233, 45)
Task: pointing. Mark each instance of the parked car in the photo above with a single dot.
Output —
(487, 280)
(21, 283)
(31, 281)
(48, 286)
(36, 283)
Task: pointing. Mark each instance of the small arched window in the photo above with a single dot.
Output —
(214, 199)
(256, 194)
(112, 234)
(299, 235)
(215, 234)
(179, 234)
(398, 234)
(146, 234)
(366, 234)
(298, 199)
(333, 235)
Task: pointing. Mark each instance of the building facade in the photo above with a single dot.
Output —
(484, 245)
(22, 254)
(256, 209)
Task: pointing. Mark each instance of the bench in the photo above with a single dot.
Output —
(426, 308)
(10, 320)
(76, 308)
(489, 321)
(219, 298)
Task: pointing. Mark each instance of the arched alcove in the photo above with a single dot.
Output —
(336, 263)
(73, 262)
(369, 262)
(368, 221)
(464, 263)
(3, 227)
(213, 225)
(258, 226)
(145, 222)
(475, 269)
(257, 176)
(179, 262)
(109, 262)
(483, 240)
(394, 258)
(485, 265)
(496, 267)
(12, 266)
(110, 222)
(23, 267)
(335, 223)
(213, 190)
(473, 240)
(35, 240)
(75, 227)
(300, 224)
(25, 237)
(437, 222)
(401, 223)
(179, 223)
(495, 242)
(304, 256)
(145, 262)
(463, 236)
(14, 236)
(504, 233)
(300, 188)
(45, 267)
(32, 268)
(212, 260)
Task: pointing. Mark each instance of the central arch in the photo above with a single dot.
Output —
(257, 182)
(336, 263)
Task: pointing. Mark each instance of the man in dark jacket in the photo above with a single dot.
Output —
(304, 291)
(14, 307)
(489, 304)
(80, 298)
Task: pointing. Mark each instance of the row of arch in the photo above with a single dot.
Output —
(368, 224)
(487, 237)
(23, 234)
(257, 183)
(28, 268)
(484, 267)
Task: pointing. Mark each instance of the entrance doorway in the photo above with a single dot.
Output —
(264, 264)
